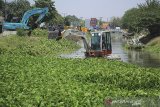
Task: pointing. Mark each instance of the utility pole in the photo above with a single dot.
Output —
(100, 21)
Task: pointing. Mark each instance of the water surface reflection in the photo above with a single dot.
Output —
(141, 58)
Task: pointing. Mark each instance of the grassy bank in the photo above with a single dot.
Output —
(35, 46)
(154, 45)
(31, 75)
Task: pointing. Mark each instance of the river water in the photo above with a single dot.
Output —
(140, 58)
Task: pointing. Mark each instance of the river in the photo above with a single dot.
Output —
(140, 58)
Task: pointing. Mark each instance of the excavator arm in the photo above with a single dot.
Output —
(28, 14)
(24, 22)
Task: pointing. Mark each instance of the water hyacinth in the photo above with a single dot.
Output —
(32, 74)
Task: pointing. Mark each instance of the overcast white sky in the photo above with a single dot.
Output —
(94, 8)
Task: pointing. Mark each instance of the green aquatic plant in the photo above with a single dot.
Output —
(31, 74)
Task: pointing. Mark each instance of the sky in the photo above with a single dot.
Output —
(86, 9)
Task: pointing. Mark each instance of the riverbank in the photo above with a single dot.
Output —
(32, 74)
(35, 45)
(153, 45)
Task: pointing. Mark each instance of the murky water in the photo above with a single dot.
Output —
(140, 58)
(77, 54)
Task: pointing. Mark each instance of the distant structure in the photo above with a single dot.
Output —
(87, 23)
(105, 25)
(93, 22)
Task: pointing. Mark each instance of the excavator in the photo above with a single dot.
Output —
(24, 22)
(100, 45)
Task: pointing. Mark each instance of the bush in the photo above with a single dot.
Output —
(154, 45)
(22, 32)
(40, 32)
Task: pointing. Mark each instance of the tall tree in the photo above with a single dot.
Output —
(1, 4)
(130, 20)
(1, 7)
(17, 8)
(51, 16)
(58, 19)
(71, 19)
(146, 16)
(115, 22)
(150, 16)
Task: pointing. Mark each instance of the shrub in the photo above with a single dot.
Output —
(40, 32)
(22, 32)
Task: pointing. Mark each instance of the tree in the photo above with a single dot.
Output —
(52, 14)
(146, 16)
(1, 7)
(150, 17)
(17, 8)
(58, 19)
(1, 4)
(130, 20)
(115, 22)
(71, 19)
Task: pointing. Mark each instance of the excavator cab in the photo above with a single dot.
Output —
(100, 44)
